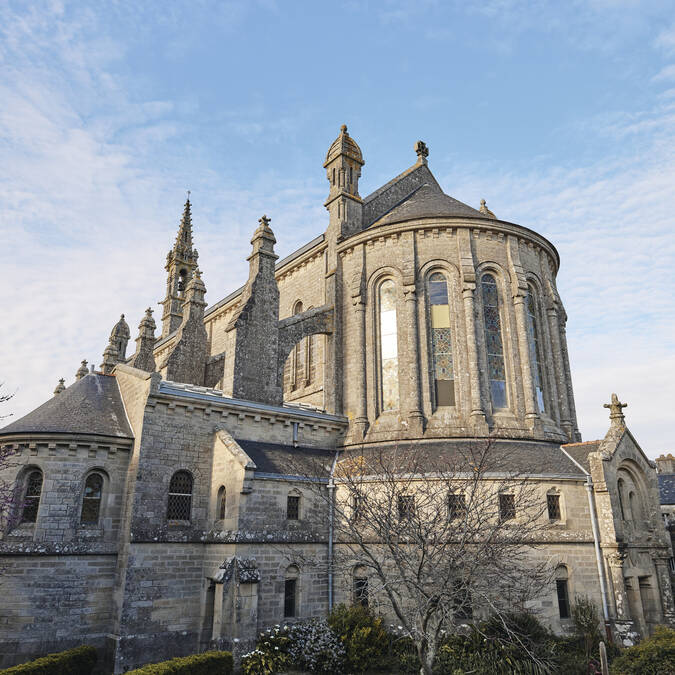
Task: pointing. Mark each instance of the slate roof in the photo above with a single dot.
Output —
(511, 457)
(92, 405)
(286, 460)
(667, 488)
(580, 451)
(427, 201)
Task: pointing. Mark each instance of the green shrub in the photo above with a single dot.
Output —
(515, 643)
(208, 663)
(586, 622)
(365, 640)
(653, 656)
(77, 661)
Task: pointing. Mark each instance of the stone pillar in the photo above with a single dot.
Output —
(477, 412)
(531, 409)
(559, 366)
(361, 420)
(665, 591)
(621, 607)
(568, 382)
(413, 404)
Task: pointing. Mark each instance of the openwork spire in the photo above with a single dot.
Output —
(183, 246)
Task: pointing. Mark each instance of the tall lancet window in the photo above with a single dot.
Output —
(534, 342)
(493, 341)
(388, 347)
(297, 374)
(441, 341)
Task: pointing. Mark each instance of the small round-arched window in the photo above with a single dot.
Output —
(31, 496)
(180, 496)
(91, 500)
(222, 503)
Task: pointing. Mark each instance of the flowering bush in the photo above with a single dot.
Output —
(308, 645)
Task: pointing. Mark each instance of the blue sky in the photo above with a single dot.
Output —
(561, 115)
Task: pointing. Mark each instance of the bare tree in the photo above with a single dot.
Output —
(435, 533)
(8, 453)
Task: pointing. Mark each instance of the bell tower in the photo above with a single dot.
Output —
(343, 170)
(181, 262)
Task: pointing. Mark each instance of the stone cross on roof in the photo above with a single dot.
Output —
(421, 149)
(616, 410)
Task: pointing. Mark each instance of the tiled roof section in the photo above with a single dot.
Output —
(92, 405)
(427, 202)
(580, 451)
(525, 458)
(667, 488)
(286, 460)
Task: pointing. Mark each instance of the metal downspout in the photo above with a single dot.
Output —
(596, 537)
(331, 509)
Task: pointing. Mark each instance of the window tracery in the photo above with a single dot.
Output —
(493, 341)
(534, 344)
(31, 496)
(442, 366)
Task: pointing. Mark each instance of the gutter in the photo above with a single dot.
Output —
(331, 510)
(596, 538)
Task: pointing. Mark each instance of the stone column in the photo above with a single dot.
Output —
(361, 420)
(665, 590)
(563, 405)
(568, 382)
(531, 409)
(621, 607)
(477, 412)
(413, 404)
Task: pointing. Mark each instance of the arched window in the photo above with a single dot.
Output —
(31, 496)
(535, 345)
(493, 341)
(293, 506)
(222, 503)
(441, 340)
(562, 590)
(91, 500)
(620, 489)
(388, 347)
(180, 496)
(291, 592)
(360, 586)
(553, 506)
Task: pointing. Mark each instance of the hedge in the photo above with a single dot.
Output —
(77, 661)
(208, 663)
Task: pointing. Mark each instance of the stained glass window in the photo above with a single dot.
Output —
(91, 501)
(31, 500)
(456, 506)
(406, 507)
(361, 590)
(553, 506)
(441, 341)
(493, 342)
(293, 507)
(180, 496)
(534, 342)
(388, 347)
(507, 507)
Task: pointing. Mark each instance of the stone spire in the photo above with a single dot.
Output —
(485, 211)
(181, 261)
(144, 358)
(82, 370)
(187, 360)
(616, 416)
(252, 335)
(343, 170)
(61, 386)
(119, 337)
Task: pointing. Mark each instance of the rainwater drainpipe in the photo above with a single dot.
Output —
(596, 539)
(331, 509)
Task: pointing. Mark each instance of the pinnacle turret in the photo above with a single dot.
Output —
(82, 370)
(61, 386)
(143, 358)
(181, 261)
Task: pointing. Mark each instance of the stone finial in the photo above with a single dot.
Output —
(484, 209)
(143, 358)
(615, 411)
(109, 358)
(61, 386)
(119, 338)
(82, 370)
(422, 151)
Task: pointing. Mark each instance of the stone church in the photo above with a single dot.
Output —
(152, 493)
